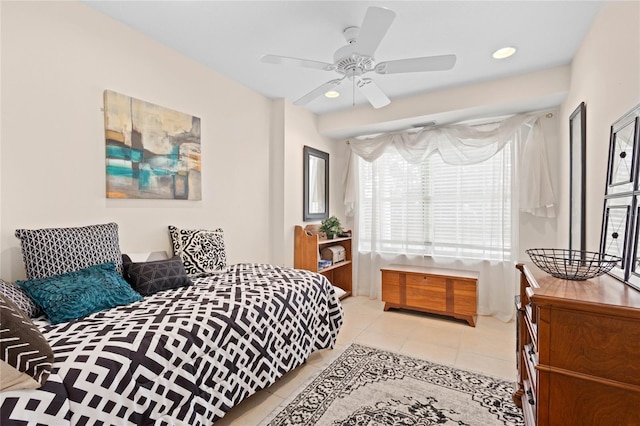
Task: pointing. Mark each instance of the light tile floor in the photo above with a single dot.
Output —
(488, 348)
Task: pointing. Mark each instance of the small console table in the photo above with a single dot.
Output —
(436, 290)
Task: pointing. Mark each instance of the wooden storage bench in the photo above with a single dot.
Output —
(436, 290)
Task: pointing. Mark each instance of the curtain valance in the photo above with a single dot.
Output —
(462, 144)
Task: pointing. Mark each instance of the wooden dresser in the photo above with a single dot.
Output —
(435, 290)
(578, 351)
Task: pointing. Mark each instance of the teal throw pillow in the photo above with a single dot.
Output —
(80, 293)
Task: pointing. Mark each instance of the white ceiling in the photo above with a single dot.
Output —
(231, 36)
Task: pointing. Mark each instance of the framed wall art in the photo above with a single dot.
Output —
(615, 231)
(621, 216)
(634, 263)
(151, 151)
(622, 170)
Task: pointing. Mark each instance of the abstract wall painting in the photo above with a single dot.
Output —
(151, 151)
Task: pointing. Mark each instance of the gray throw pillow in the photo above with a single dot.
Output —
(153, 276)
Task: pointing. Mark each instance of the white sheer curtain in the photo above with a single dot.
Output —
(460, 145)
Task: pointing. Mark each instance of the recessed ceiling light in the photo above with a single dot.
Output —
(332, 94)
(505, 52)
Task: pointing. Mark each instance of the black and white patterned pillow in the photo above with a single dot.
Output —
(19, 297)
(54, 251)
(26, 356)
(202, 252)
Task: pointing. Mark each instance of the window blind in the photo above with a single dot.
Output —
(434, 208)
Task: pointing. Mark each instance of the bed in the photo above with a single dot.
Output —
(182, 356)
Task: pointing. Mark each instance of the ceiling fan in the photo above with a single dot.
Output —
(356, 59)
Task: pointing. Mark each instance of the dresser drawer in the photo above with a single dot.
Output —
(530, 358)
(529, 407)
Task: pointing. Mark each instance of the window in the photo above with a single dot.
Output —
(434, 208)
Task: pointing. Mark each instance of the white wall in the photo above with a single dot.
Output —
(605, 74)
(0, 134)
(300, 130)
(277, 187)
(57, 58)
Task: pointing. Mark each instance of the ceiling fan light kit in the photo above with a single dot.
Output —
(357, 58)
(504, 52)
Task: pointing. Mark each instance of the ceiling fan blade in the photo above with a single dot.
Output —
(376, 22)
(373, 93)
(305, 63)
(427, 63)
(317, 92)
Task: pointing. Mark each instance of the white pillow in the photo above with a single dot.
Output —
(148, 256)
(339, 292)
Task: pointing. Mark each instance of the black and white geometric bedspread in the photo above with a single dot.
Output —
(184, 356)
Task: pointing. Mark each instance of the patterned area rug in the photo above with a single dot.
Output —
(367, 387)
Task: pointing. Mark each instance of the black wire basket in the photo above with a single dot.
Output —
(576, 265)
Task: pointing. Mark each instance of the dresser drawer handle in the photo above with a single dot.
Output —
(530, 397)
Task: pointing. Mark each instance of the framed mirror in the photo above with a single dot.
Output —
(316, 184)
(577, 177)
